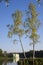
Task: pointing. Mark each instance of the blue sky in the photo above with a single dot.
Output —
(6, 44)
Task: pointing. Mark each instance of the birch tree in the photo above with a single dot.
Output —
(17, 27)
(32, 25)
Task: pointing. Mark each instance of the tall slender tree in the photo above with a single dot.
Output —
(32, 25)
(17, 27)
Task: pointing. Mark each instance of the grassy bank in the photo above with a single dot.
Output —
(37, 61)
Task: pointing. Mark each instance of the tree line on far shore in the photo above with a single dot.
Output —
(29, 54)
(5, 56)
(38, 54)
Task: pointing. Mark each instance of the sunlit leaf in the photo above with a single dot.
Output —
(9, 34)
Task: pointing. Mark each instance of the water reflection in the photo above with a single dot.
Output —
(7, 63)
(4, 63)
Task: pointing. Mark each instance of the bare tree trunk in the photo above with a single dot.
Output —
(33, 52)
(22, 46)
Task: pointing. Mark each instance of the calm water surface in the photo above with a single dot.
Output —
(8, 63)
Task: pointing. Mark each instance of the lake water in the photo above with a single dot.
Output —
(8, 63)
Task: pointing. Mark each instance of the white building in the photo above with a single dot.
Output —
(15, 57)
